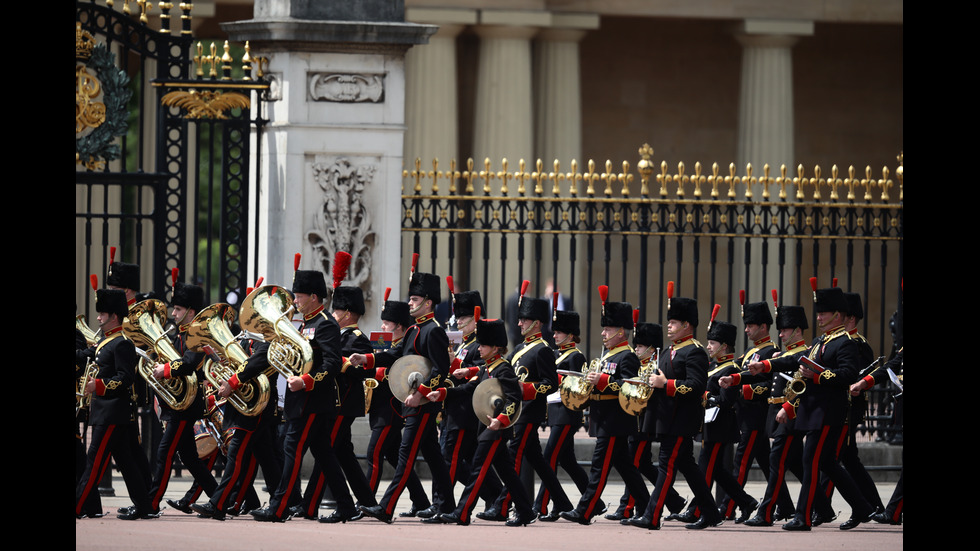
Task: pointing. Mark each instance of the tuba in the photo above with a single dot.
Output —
(212, 327)
(91, 337)
(633, 396)
(144, 326)
(575, 390)
(266, 311)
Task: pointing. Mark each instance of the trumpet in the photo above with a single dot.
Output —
(267, 311)
(144, 326)
(83, 400)
(575, 389)
(210, 331)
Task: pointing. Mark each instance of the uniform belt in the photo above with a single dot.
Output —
(598, 397)
(778, 400)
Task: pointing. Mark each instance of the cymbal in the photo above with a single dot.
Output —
(407, 373)
(489, 399)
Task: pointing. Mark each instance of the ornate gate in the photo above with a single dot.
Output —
(163, 127)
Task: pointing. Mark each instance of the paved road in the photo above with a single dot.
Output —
(175, 530)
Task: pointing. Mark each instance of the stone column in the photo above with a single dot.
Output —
(558, 127)
(765, 124)
(431, 103)
(330, 158)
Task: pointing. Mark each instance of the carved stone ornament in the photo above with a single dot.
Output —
(343, 223)
(347, 88)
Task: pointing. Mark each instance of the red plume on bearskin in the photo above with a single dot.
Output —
(449, 283)
(554, 306)
(834, 282)
(741, 301)
(636, 316)
(94, 280)
(296, 258)
(476, 314)
(387, 293)
(524, 286)
(670, 292)
(813, 285)
(174, 272)
(714, 314)
(775, 301)
(112, 255)
(341, 261)
(603, 295)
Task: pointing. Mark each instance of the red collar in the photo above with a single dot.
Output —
(532, 338)
(424, 318)
(313, 314)
(684, 338)
(763, 340)
(113, 331)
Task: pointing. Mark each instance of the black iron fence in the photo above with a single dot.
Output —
(713, 232)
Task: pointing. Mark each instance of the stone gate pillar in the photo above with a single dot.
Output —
(330, 158)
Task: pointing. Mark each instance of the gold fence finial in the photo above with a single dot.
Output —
(680, 179)
(573, 178)
(469, 175)
(226, 61)
(645, 168)
(799, 180)
(885, 183)
(626, 177)
(453, 175)
(816, 181)
(487, 175)
(145, 7)
(766, 181)
(417, 174)
(590, 179)
(782, 181)
(504, 176)
(900, 174)
(748, 180)
(731, 180)
(715, 179)
(850, 183)
(663, 178)
(608, 177)
(538, 176)
(522, 176)
(434, 174)
(698, 179)
(247, 62)
(556, 177)
(834, 182)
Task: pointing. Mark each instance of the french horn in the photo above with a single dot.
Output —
(211, 327)
(267, 311)
(575, 389)
(634, 394)
(144, 326)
